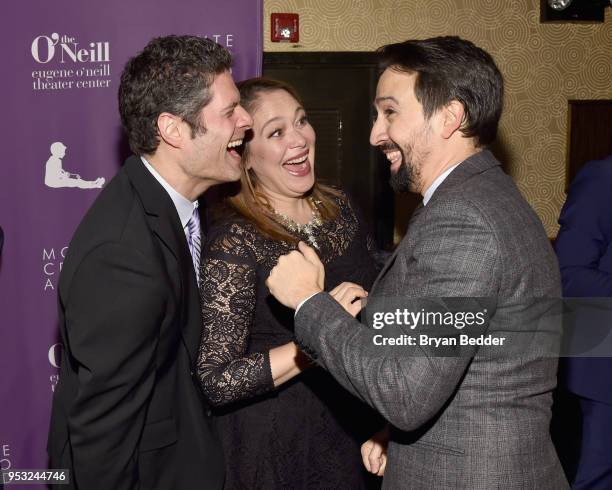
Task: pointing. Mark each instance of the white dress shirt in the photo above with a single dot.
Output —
(436, 183)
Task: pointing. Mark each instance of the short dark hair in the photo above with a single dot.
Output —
(172, 74)
(450, 68)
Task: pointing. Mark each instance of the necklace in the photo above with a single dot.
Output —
(307, 229)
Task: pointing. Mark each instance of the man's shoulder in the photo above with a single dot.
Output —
(115, 217)
(491, 201)
(109, 212)
(588, 195)
(596, 173)
(489, 185)
(490, 192)
(470, 201)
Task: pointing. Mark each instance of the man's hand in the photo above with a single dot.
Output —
(296, 276)
(374, 452)
(349, 295)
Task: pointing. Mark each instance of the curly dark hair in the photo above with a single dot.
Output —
(450, 68)
(172, 74)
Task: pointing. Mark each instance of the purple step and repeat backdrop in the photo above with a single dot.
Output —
(61, 63)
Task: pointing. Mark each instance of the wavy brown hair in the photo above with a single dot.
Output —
(251, 202)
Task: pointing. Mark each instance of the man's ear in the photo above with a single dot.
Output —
(171, 129)
(453, 115)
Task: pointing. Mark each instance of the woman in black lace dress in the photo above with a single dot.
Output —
(283, 424)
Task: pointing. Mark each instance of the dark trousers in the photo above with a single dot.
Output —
(595, 464)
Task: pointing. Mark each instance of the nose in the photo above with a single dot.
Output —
(298, 140)
(378, 134)
(245, 121)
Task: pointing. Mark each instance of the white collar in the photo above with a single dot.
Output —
(184, 206)
(436, 183)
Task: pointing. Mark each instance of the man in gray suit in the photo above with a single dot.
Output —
(472, 417)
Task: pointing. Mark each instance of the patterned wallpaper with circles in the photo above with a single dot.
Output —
(544, 65)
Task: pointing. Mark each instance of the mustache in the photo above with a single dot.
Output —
(389, 147)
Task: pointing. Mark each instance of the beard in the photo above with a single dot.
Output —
(402, 181)
(408, 176)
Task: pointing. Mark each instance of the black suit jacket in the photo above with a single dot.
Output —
(127, 411)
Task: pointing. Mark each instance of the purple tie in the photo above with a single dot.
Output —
(192, 233)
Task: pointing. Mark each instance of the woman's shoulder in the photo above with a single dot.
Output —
(337, 195)
(333, 191)
(239, 228)
(232, 233)
(347, 207)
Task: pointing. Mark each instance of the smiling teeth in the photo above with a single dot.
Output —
(393, 156)
(235, 143)
(298, 160)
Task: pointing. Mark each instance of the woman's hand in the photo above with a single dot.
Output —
(349, 295)
(374, 452)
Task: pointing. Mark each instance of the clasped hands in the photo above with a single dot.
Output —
(300, 274)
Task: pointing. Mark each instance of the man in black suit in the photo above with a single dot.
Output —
(127, 412)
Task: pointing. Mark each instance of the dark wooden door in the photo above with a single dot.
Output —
(338, 90)
(590, 133)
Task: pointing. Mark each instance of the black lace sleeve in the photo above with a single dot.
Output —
(228, 292)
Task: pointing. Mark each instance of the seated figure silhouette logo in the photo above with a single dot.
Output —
(56, 176)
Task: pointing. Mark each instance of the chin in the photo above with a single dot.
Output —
(306, 187)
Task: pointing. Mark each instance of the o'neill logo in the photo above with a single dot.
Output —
(44, 49)
(62, 63)
(56, 176)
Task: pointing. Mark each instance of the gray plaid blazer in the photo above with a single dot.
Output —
(478, 420)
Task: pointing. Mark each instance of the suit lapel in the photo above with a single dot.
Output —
(164, 222)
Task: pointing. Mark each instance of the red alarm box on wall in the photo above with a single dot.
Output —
(285, 28)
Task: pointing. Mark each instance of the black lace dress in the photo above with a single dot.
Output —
(307, 433)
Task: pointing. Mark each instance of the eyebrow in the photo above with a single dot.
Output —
(297, 109)
(232, 105)
(270, 121)
(378, 100)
